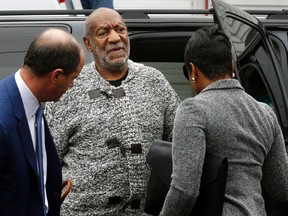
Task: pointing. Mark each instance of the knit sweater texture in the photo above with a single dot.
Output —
(98, 129)
(227, 121)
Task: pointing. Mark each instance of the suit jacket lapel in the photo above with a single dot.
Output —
(23, 128)
(27, 144)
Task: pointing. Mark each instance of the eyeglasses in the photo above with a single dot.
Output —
(185, 72)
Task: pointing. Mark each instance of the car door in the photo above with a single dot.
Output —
(257, 65)
(258, 68)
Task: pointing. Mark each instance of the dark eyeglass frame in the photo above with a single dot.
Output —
(185, 72)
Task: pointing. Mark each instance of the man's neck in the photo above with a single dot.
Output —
(113, 75)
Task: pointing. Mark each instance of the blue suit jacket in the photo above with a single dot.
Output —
(19, 189)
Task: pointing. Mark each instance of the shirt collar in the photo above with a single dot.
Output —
(30, 102)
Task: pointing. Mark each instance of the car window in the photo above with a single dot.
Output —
(164, 51)
(279, 41)
(253, 51)
(14, 43)
(173, 73)
(254, 84)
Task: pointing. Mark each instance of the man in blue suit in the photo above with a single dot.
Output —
(52, 62)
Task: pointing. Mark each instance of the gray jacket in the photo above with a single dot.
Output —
(228, 121)
(103, 134)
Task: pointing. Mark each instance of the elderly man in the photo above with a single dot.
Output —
(104, 126)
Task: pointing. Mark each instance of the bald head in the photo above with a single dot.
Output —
(52, 49)
(55, 36)
(99, 17)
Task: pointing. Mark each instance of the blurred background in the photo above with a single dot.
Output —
(141, 4)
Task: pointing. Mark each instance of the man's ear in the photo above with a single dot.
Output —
(55, 74)
(87, 43)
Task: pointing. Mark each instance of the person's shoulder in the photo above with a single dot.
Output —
(87, 69)
(8, 110)
(194, 106)
(86, 78)
(8, 79)
(74, 96)
(146, 71)
(196, 100)
(268, 108)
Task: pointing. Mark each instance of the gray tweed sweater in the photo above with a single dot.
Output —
(103, 134)
(228, 121)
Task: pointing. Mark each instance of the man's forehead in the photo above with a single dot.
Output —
(109, 24)
(107, 16)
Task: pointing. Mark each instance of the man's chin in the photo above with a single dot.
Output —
(118, 62)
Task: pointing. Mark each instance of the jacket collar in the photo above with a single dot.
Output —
(223, 84)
